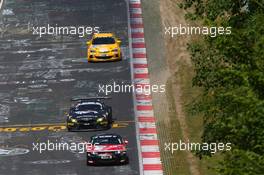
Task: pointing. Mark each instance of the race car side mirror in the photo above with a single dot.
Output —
(126, 142)
(88, 42)
(118, 42)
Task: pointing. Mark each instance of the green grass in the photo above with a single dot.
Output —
(169, 131)
(194, 122)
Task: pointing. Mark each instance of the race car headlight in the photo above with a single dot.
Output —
(121, 152)
(94, 153)
(100, 119)
(115, 50)
(73, 120)
(92, 50)
(117, 152)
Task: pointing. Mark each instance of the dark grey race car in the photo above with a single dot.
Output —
(89, 113)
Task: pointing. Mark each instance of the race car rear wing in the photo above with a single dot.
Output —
(89, 98)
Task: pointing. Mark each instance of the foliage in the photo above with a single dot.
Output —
(230, 69)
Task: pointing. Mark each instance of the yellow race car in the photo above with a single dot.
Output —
(104, 47)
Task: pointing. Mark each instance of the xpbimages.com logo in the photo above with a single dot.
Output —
(180, 29)
(81, 31)
(145, 89)
(41, 147)
(195, 146)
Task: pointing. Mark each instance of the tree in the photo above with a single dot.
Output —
(230, 70)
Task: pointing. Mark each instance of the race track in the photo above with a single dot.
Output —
(39, 75)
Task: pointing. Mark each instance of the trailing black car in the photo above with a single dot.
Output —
(89, 113)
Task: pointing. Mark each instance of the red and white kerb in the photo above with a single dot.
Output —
(149, 144)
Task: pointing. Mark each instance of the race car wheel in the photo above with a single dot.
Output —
(87, 163)
(108, 126)
(126, 162)
(71, 129)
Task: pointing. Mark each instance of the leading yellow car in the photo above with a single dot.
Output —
(104, 47)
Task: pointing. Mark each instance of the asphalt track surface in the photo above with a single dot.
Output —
(38, 77)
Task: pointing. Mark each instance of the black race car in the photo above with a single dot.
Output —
(89, 113)
(107, 149)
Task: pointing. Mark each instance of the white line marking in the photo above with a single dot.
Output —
(147, 125)
(150, 148)
(145, 113)
(141, 70)
(138, 40)
(135, 10)
(137, 30)
(135, 2)
(139, 50)
(153, 172)
(136, 21)
(142, 81)
(148, 137)
(151, 161)
(140, 61)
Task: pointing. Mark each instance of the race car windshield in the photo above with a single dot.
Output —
(106, 141)
(104, 40)
(94, 107)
